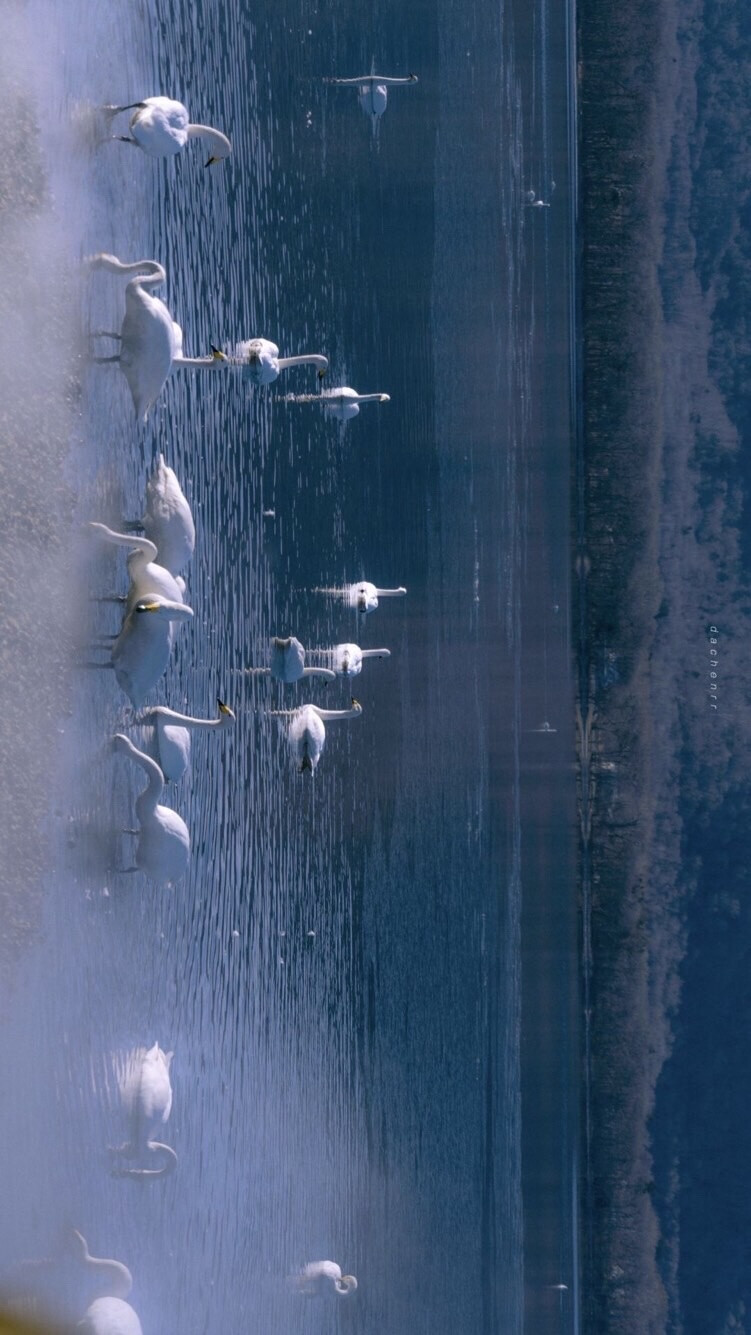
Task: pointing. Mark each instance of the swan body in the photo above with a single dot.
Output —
(110, 1316)
(261, 362)
(363, 596)
(287, 662)
(307, 733)
(163, 848)
(168, 520)
(141, 652)
(347, 659)
(321, 1277)
(154, 605)
(372, 91)
(151, 343)
(172, 736)
(148, 1099)
(162, 128)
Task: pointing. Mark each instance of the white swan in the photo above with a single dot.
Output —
(147, 576)
(261, 362)
(167, 520)
(342, 402)
(534, 202)
(151, 344)
(287, 662)
(147, 1095)
(162, 128)
(163, 848)
(172, 736)
(307, 733)
(110, 1316)
(363, 596)
(112, 1277)
(319, 1277)
(154, 605)
(141, 651)
(372, 91)
(347, 659)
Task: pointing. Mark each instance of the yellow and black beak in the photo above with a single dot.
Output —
(148, 607)
(224, 709)
(217, 355)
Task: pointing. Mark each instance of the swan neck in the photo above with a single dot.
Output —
(219, 143)
(148, 800)
(186, 720)
(331, 715)
(142, 549)
(116, 1276)
(313, 359)
(375, 653)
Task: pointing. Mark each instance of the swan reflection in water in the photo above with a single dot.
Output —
(341, 402)
(347, 659)
(147, 1097)
(318, 1278)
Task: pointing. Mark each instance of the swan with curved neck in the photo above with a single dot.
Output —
(372, 91)
(342, 402)
(307, 733)
(167, 519)
(151, 344)
(287, 662)
(363, 596)
(148, 1099)
(347, 659)
(154, 606)
(162, 128)
(163, 848)
(172, 735)
(321, 1277)
(261, 363)
(112, 1277)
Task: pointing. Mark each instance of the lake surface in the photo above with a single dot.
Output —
(369, 978)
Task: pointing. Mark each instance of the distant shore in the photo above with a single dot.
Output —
(659, 562)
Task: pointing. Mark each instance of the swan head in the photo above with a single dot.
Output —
(217, 355)
(227, 714)
(346, 1285)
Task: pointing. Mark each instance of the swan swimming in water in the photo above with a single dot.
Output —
(342, 402)
(287, 662)
(147, 1094)
(261, 363)
(167, 520)
(151, 344)
(110, 1314)
(162, 128)
(307, 733)
(347, 659)
(141, 651)
(363, 596)
(372, 91)
(163, 848)
(320, 1277)
(172, 735)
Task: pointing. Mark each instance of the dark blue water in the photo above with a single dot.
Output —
(398, 1091)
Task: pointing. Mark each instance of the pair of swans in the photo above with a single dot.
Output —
(372, 91)
(154, 605)
(363, 596)
(147, 1095)
(321, 1277)
(163, 847)
(307, 733)
(162, 128)
(287, 660)
(109, 1314)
